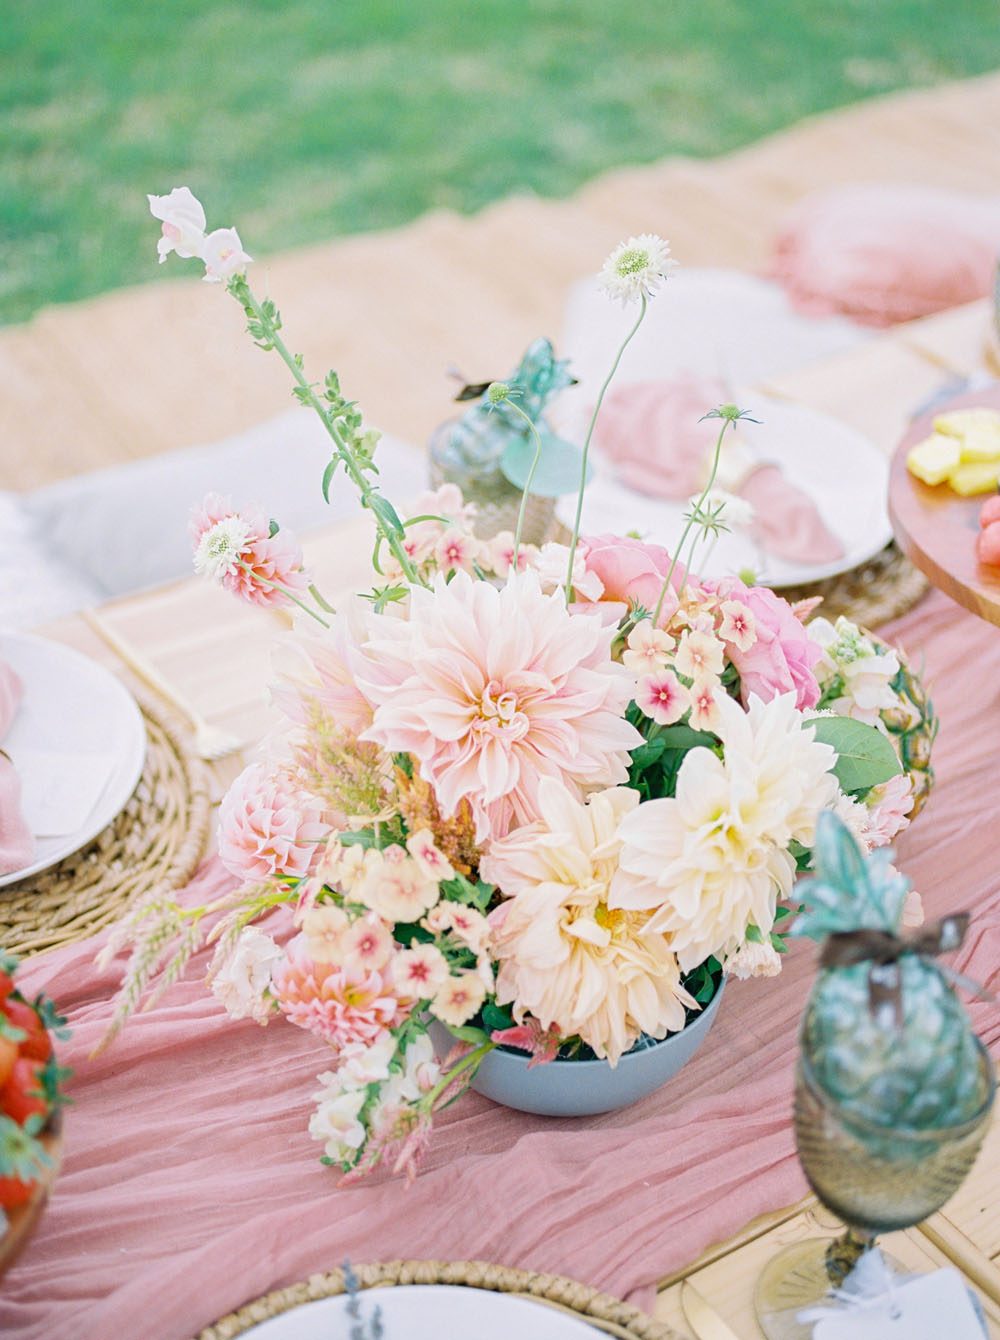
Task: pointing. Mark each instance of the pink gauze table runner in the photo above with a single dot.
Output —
(190, 1184)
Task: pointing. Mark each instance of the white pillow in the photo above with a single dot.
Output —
(125, 527)
(35, 586)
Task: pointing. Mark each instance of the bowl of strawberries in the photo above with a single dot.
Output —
(31, 1102)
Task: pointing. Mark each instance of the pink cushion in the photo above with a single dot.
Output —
(882, 252)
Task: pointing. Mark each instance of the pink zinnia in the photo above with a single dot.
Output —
(268, 828)
(235, 547)
(492, 690)
(345, 1005)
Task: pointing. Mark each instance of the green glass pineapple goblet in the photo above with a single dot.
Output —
(875, 1178)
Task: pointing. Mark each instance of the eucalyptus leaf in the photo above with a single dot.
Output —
(865, 756)
(558, 468)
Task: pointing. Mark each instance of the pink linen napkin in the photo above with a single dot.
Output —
(786, 521)
(654, 433)
(16, 843)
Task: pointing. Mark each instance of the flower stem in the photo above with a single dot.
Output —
(586, 446)
(241, 291)
(276, 586)
(531, 474)
(726, 421)
(470, 1061)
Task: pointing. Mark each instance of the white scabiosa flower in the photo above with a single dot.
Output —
(637, 267)
(217, 553)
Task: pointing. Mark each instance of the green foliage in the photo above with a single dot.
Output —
(302, 120)
(865, 759)
(655, 764)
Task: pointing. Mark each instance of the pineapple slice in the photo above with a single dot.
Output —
(959, 422)
(971, 477)
(981, 443)
(933, 459)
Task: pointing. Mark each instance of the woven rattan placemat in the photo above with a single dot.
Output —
(156, 840)
(881, 589)
(600, 1310)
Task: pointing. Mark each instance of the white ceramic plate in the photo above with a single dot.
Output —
(844, 474)
(428, 1312)
(73, 705)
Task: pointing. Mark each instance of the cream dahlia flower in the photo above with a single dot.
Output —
(564, 957)
(714, 858)
(492, 690)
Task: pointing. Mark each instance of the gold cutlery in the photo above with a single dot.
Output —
(210, 741)
(703, 1319)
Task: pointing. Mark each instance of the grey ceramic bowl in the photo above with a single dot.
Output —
(584, 1088)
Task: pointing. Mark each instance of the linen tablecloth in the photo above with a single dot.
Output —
(190, 1184)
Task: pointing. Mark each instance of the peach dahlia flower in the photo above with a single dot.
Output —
(493, 690)
(564, 957)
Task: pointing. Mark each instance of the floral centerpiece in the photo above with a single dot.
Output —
(546, 796)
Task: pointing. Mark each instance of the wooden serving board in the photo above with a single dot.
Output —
(21, 1222)
(936, 528)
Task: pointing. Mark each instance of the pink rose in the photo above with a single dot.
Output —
(632, 572)
(781, 658)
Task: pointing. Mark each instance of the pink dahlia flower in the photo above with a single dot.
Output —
(492, 690)
(319, 670)
(235, 547)
(344, 1005)
(781, 657)
(268, 828)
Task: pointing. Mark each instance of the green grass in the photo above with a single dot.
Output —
(299, 120)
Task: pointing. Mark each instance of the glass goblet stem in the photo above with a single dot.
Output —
(843, 1254)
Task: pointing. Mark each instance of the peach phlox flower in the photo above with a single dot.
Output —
(457, 551)
(737, 625)
(499, 554)
(566, 958)
(662, 697)
(395, 886)
(699, 655)
(709, 861)
(234, 546)
(267, 827)
(431, 860)
(344, 1005)
(458, 998)
(704, 693)
(325, 925)
(648, 649)
(492, 690)
(419, 972)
